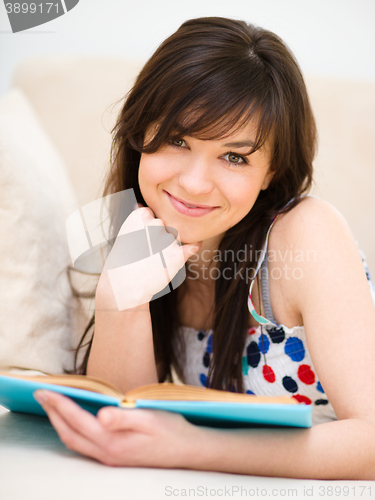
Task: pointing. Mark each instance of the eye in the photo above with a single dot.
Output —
(234, 158)
(178, 143)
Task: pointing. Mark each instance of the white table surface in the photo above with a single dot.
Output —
(35, 465)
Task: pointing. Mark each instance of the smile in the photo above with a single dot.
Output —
(185, 208)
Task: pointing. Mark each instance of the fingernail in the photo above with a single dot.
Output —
(106, 418)
(41, 396)
(194, 249)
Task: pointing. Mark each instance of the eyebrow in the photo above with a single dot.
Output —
(240, 144)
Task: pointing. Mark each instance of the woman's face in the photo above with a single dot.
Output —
(204, 187)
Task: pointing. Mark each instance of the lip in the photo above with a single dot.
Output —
(179, 205)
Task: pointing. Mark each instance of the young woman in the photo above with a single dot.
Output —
(217, 140)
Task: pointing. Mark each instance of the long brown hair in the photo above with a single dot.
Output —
(208, 79)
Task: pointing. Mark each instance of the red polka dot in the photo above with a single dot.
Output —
(251, 331)
(302, 399)
(269, 374)
(306, 375)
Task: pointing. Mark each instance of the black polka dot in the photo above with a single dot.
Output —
(321, 402)
(276, 334)
(290, 384)
(201, 334)
(206, 359)
(253, 354)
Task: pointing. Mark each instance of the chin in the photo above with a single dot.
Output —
(186, 238)
(187, 231)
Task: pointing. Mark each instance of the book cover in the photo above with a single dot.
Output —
(16, 394)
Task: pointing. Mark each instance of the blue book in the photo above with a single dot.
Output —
(200, 406)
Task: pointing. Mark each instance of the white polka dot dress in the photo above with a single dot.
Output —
(275, 361)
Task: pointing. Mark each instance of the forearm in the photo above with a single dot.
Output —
(337, 450)
(122, 350)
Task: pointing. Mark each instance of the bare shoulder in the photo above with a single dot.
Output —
(312, 219)
(310, 245)
(317, 280)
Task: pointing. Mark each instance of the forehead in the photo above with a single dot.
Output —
(241, 135)
(201, 124)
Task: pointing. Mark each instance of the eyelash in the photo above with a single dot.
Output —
(244, 160)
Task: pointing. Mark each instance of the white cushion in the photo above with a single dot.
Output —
(38, 328)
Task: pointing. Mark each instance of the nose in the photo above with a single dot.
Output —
(196, 176)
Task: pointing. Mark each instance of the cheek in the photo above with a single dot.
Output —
(241, 193)
(153, 170)
(148, 176)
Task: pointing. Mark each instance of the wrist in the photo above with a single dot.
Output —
(202, 450)
(105, 298)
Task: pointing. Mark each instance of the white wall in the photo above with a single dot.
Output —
(329, 37)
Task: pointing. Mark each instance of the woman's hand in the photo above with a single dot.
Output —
(120, 437)
(144, 259)
(122, 349)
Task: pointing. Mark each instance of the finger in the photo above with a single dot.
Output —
(190, 249)
(76, 417)
(116, 419)
(136, 220)
(155, 222)
(187, 250)
(175, 256)
(72, 439)
(126, 419)
(147, 214)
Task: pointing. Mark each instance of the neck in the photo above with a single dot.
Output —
(200, 265)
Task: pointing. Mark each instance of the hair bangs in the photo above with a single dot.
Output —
(207, 119)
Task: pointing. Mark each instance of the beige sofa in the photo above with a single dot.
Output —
(55, 140)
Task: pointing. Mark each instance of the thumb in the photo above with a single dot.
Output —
(120, 419)
(111, 418)
(190, 249)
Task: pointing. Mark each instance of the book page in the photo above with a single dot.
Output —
(84, 382)
(174, 392)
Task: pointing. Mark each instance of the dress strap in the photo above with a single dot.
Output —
(262, 264)
(264, 284)
(268, 319)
